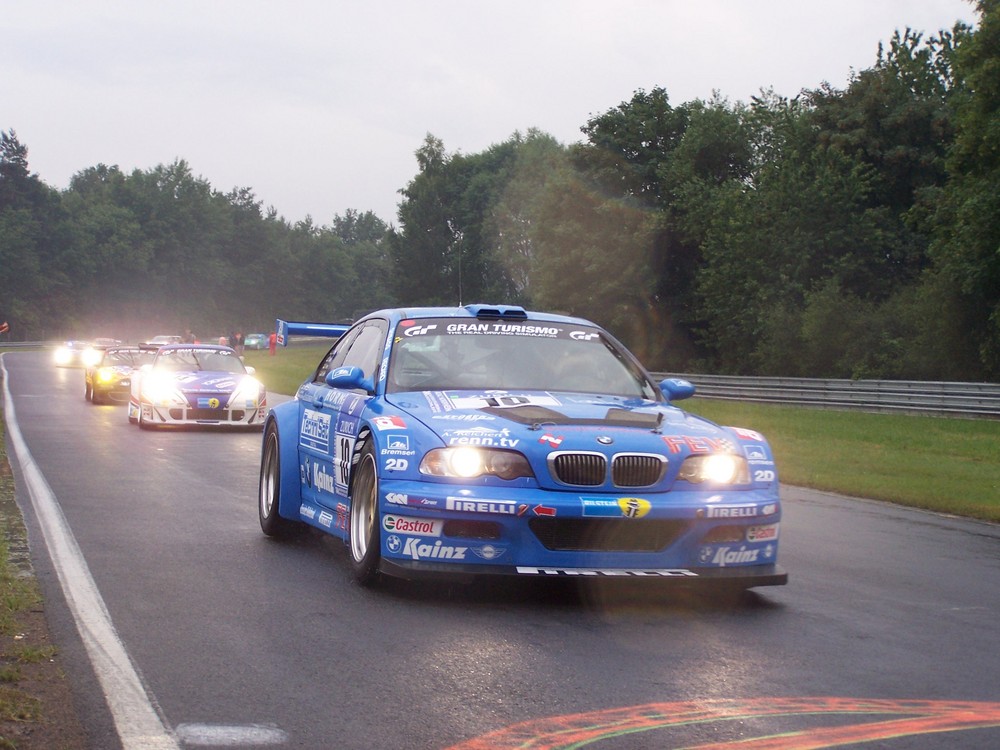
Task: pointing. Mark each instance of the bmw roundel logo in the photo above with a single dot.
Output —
(393, 543)
(605, 440)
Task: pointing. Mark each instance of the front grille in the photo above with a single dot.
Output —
(637, 469)
(591, 469)
(579, 469)
(215, 415)
(480, 530)
(606, 534)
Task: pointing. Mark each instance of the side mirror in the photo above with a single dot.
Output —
(251, 369)
(676, 389)
(349, 378)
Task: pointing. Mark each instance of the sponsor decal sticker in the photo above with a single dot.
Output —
(489, 551)
(322, 480)
(418, 549)
(731, 511)
(389, 423)
(611, 507)
(397, 445)
(412, 526)
(465, 505)
(767, 533)
(481, 436)
(315, 433)
(724, 555)
(698, 444)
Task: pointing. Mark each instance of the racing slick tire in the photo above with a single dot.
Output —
(364, 522)
(269, 489)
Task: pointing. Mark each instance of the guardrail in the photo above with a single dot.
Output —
(906, 396)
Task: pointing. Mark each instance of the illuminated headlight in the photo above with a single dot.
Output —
(161, 391)
(106, 374)
(715, 468)
(90, 357)
(468, 463)
(249, 391)
(63, 356)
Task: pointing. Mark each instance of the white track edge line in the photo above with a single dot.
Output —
(133, 709)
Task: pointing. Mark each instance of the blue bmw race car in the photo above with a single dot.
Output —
(492, 440)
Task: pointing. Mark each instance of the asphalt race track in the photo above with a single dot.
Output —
(182, 626)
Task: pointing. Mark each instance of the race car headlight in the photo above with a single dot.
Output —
(466, 462)
(715, 468)
(249, 389)
(90, 357)
(161, 391)
(106, 374)
(62, 356)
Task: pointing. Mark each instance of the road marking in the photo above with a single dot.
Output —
(133, 709)
(230, 735)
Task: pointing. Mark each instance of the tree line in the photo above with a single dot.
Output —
(840, 233)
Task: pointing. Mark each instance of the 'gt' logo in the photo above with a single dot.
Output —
(419, 330)
(583, 336)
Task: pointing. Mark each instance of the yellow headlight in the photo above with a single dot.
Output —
(715, 468)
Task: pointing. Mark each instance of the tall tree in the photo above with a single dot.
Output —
(967, 242)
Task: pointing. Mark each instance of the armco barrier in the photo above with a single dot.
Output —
(907, 396)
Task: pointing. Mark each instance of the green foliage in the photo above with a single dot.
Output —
(849, 233)
(161, 251)
(967, 242)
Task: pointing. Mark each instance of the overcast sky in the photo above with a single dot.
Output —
(319, 105)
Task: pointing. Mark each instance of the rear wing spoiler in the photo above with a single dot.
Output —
(285, 330)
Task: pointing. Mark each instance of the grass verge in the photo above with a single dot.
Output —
(936, 463)
(289, 367)
(36, 707)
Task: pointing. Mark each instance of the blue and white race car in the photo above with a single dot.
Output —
(491, 440)
(196, 384)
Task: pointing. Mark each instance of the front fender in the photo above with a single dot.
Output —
(284, 417)
(760, 458)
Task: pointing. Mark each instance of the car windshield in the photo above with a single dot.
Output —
(123, 358)
(445, 354)
(210, 360)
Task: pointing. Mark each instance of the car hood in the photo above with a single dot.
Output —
(207, 382)
(568, 421)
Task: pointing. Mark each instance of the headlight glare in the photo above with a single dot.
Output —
(466, 462)
(91, 357)
(249, 389)
(715, 468)
(161, 390)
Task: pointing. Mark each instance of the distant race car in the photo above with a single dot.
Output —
(196, 384)
(110, 379)
(76, 353)
(255, 341)
(492, 440)
(164, 339)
